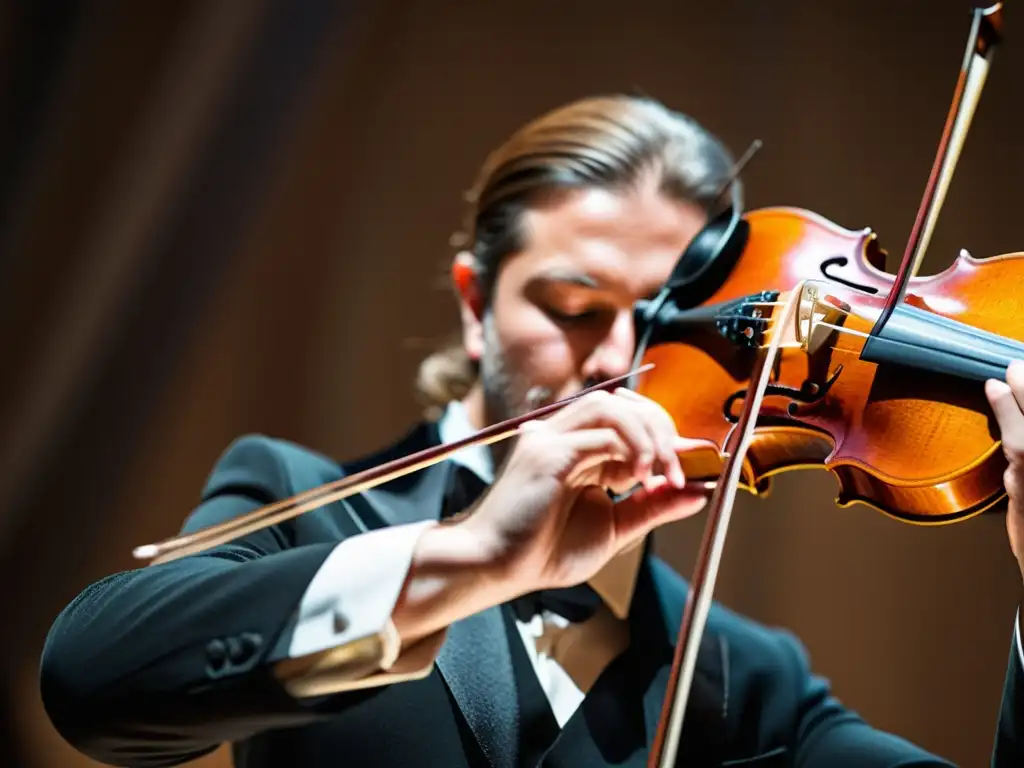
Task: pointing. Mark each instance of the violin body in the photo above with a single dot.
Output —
(913, 441)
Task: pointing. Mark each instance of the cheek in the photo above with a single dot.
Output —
(536, 348)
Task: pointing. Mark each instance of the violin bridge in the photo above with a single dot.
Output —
(818, 318)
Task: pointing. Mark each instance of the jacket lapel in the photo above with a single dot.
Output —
(475, 661)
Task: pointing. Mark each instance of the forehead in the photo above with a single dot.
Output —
(627, 241)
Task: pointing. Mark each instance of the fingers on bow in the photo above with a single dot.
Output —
(646, 427)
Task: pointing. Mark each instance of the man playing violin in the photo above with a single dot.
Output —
(497, 608)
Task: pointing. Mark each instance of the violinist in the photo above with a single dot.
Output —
(497, 608)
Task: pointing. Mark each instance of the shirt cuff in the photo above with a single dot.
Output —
(352, 596)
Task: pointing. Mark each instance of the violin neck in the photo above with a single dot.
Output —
(920, 339)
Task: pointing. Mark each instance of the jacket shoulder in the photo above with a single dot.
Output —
(269, 467)
(276, 465)
(256, 470)
(260, 469)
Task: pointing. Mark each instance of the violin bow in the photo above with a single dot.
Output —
(985, 36)
(986, 29)
(702, 585)
(286, 509)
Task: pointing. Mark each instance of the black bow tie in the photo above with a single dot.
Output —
(575, 604)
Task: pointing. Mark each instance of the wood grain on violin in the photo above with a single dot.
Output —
(910, 434)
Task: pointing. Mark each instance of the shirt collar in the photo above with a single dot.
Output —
(455, 425)
(615, 582)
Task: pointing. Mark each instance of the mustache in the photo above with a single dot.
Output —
(538, 396)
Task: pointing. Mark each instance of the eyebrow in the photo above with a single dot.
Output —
(580, 279)
(572, 277)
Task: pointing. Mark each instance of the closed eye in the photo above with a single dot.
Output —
(573, 317)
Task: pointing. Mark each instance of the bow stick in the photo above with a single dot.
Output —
(702, 586)
(272, 514)
(984, 38)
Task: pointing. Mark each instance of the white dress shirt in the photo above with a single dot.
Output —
(344, 638)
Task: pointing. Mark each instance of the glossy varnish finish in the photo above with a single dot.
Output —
(917, 445)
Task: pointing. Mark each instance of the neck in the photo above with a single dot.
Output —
(475, 407)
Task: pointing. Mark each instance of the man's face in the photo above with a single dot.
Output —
(561, 314)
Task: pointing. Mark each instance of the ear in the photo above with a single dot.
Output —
(466, 278)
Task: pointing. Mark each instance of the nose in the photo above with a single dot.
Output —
(614, 354)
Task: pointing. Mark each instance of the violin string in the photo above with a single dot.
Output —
(842, 329)
(967, 348)
(814, 323)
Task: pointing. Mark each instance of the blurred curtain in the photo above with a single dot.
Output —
(223, 217)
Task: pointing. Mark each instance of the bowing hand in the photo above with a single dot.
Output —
(1007, 401)
(548, 521)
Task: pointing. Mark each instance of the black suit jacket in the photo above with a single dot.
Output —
(160, 665)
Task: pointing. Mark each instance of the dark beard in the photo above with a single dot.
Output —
(507, 393)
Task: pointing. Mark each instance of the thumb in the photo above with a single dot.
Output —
(656, 503)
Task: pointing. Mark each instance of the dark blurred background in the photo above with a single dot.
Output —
(228, 216)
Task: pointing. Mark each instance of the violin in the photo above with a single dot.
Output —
(799, 351)
(884, 430)
(838, 365)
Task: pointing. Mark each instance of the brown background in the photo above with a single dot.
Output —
(224, 217)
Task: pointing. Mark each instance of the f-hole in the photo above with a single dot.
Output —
(841, 261)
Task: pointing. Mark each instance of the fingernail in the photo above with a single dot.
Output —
(654, 482)
(627, 392)
(687, 444)
(997, 387)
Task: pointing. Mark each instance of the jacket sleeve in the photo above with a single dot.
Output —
(829, 733)
(158, 665)
(1008, 751)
